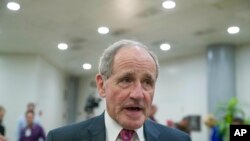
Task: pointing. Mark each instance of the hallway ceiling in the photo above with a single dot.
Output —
(40, 25)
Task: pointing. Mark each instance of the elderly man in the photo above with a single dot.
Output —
(127, 75)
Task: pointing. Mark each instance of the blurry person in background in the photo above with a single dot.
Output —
(237, 121)
(32, 131)
(211, 123)
(127, 76)
(22, 122)
(2, 138)
(170, 123)
(183, 125)
(2, 128)
(152, 113)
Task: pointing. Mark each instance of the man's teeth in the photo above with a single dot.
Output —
(134, 108)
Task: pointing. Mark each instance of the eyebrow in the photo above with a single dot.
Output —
(127, 74)
(148, 76)
(131, 74)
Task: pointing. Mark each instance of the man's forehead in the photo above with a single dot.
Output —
(134, 56)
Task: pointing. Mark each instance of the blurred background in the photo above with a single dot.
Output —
(49, 53)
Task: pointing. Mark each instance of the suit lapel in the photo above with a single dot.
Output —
(98, 137)
(150, 131)
(95, 132)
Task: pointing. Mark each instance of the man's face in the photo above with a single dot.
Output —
(29, 118)
(129, 90)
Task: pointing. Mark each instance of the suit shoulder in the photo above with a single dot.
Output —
(75, 126)
(71, 130)
(168, 133)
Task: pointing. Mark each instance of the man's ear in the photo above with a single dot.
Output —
(100, 85)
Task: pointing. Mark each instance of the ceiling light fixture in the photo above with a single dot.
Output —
(13, 6)
(103, 30)
(165, 47)
(233, 29)
(168, 4)
(62, 46)
(86, 66)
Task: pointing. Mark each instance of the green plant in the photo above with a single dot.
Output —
(226, 113)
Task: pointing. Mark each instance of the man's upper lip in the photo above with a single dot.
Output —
(133, 106)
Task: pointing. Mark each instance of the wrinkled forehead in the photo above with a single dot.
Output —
(134, 57)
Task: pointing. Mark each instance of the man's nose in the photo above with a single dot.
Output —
(137, 91)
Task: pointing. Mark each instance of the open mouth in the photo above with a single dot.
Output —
(133, 108)
(134, 112)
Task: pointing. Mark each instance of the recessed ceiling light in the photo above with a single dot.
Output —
(165, 47)
(13, 6)
(168, 4)
(233, 29)
(86, 66)
(62, 46)
(103, 30)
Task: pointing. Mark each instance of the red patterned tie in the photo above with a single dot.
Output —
(126, 135)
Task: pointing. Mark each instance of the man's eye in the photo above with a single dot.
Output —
(148, 82)
(126, 80)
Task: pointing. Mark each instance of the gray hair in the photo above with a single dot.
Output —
(106, 60)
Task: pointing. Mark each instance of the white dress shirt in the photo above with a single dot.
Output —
(113, 129)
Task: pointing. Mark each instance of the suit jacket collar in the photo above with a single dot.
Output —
(150, 131)
(97, 132)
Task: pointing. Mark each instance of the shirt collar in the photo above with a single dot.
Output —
(113, 129)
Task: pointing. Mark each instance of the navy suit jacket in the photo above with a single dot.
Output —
(94, 130)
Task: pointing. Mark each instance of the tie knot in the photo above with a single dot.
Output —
(126, 135)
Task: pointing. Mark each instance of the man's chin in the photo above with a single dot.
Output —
(133, 114)
(133, 123)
